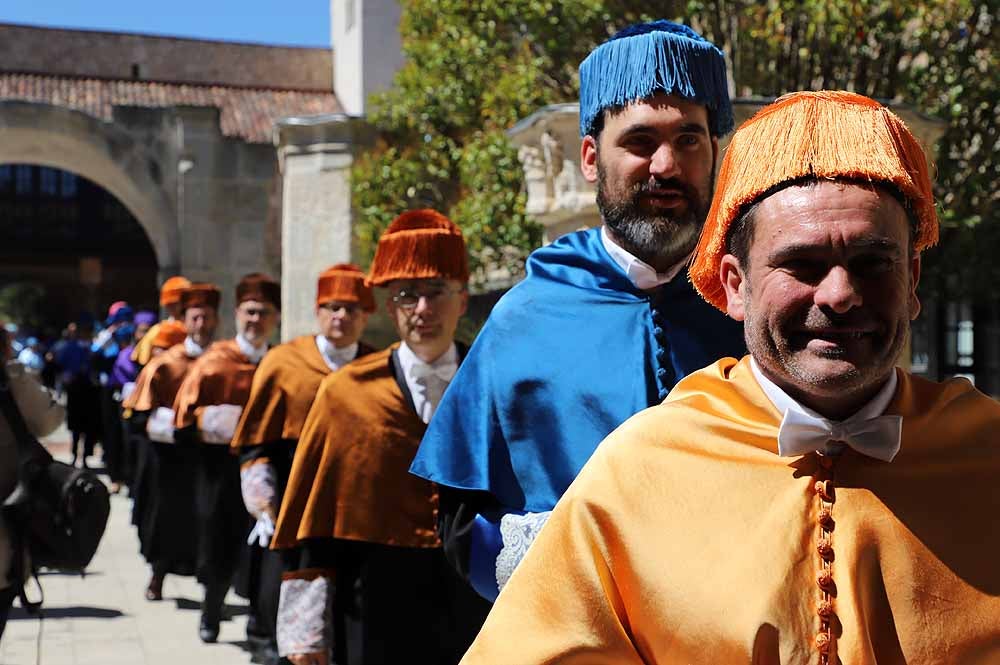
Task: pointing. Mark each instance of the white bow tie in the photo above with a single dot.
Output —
(877, 437)
(422, 371)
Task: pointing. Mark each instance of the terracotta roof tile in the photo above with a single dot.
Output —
(245, 113)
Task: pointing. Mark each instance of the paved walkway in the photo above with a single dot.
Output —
(103, 619)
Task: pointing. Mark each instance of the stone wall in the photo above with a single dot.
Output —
(97, 54)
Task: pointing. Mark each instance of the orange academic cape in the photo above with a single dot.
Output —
(158, 382)
(687, 539)
(283, 389)
(221, 375)
(350, 478)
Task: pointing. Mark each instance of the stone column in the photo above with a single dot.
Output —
(315, 154)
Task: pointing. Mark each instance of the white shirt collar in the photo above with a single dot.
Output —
(253, 354)
(783, 402)
(643, 275)
(192, 348)
(335, 357)
(425, 391)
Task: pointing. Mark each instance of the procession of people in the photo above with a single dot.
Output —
(682, 437)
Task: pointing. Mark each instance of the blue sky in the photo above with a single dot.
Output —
(285, 22)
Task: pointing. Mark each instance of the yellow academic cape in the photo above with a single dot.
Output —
(143, 351)
(687, 539)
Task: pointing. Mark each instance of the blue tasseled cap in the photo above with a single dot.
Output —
(646, 58)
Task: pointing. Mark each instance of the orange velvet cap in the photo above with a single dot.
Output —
(827, 135)
(170, 292)
(201, 294)
(169, 333)
(344, 282)
(260, 287)
(420, 244)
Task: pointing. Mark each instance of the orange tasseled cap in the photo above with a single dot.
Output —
(344, 282)
(169, 333)
(201, 294)
(827, 135)
(170, 292)
(420, 244)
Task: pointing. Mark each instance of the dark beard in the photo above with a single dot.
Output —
(660, 240)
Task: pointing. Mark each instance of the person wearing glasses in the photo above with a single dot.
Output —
(283, 389)
(208, 407)
(352, 515)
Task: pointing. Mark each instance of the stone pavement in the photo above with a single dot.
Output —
(103, 619)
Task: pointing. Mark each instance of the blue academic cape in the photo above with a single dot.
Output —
(566, 356)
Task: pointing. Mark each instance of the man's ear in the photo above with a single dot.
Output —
(914, 282)
(731, 276)
(588, 158)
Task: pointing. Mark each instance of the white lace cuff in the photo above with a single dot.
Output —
(304, 616)
(218, 422)
(160, 426)
(257, 482)
(517, 533)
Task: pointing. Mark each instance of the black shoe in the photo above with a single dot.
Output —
(208, 631)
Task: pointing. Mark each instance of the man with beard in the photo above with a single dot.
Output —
(810, 503)
(605, 322)
(208, 407)
(284, 387)
(164, 492)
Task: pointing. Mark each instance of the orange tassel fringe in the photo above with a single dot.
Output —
(819, 134)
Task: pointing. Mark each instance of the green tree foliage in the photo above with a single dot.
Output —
(938, 56)
(474, 69)
(22, 303)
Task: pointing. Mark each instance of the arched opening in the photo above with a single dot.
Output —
(68, 246)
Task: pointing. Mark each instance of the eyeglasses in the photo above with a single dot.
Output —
(350, 308)
(408, 299)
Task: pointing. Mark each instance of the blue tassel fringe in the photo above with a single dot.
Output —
(635, 64)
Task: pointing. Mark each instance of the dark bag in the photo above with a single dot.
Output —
(57, 512)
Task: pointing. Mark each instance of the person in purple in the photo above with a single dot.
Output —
(121, 381)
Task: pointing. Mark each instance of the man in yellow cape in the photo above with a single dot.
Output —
(810, 503)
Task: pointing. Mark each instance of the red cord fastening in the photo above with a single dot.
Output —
(825, 610)
(826, 583)
(823, 643)
(825, 550)
(824, 488)
(826, 519)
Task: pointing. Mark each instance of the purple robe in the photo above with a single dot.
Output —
(124, 370)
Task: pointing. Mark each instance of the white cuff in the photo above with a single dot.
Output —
(517, 532)
(218, 422)
(304, 616)
(160, 426)
(257, 481)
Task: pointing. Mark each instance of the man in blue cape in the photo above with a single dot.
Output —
(605, 322)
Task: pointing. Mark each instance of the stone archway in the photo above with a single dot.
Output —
(47, 135)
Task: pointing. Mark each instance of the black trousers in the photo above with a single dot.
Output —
(111, 436)
(7, 597)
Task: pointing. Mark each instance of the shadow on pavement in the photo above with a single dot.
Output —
(228, 611)
(71, 612)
